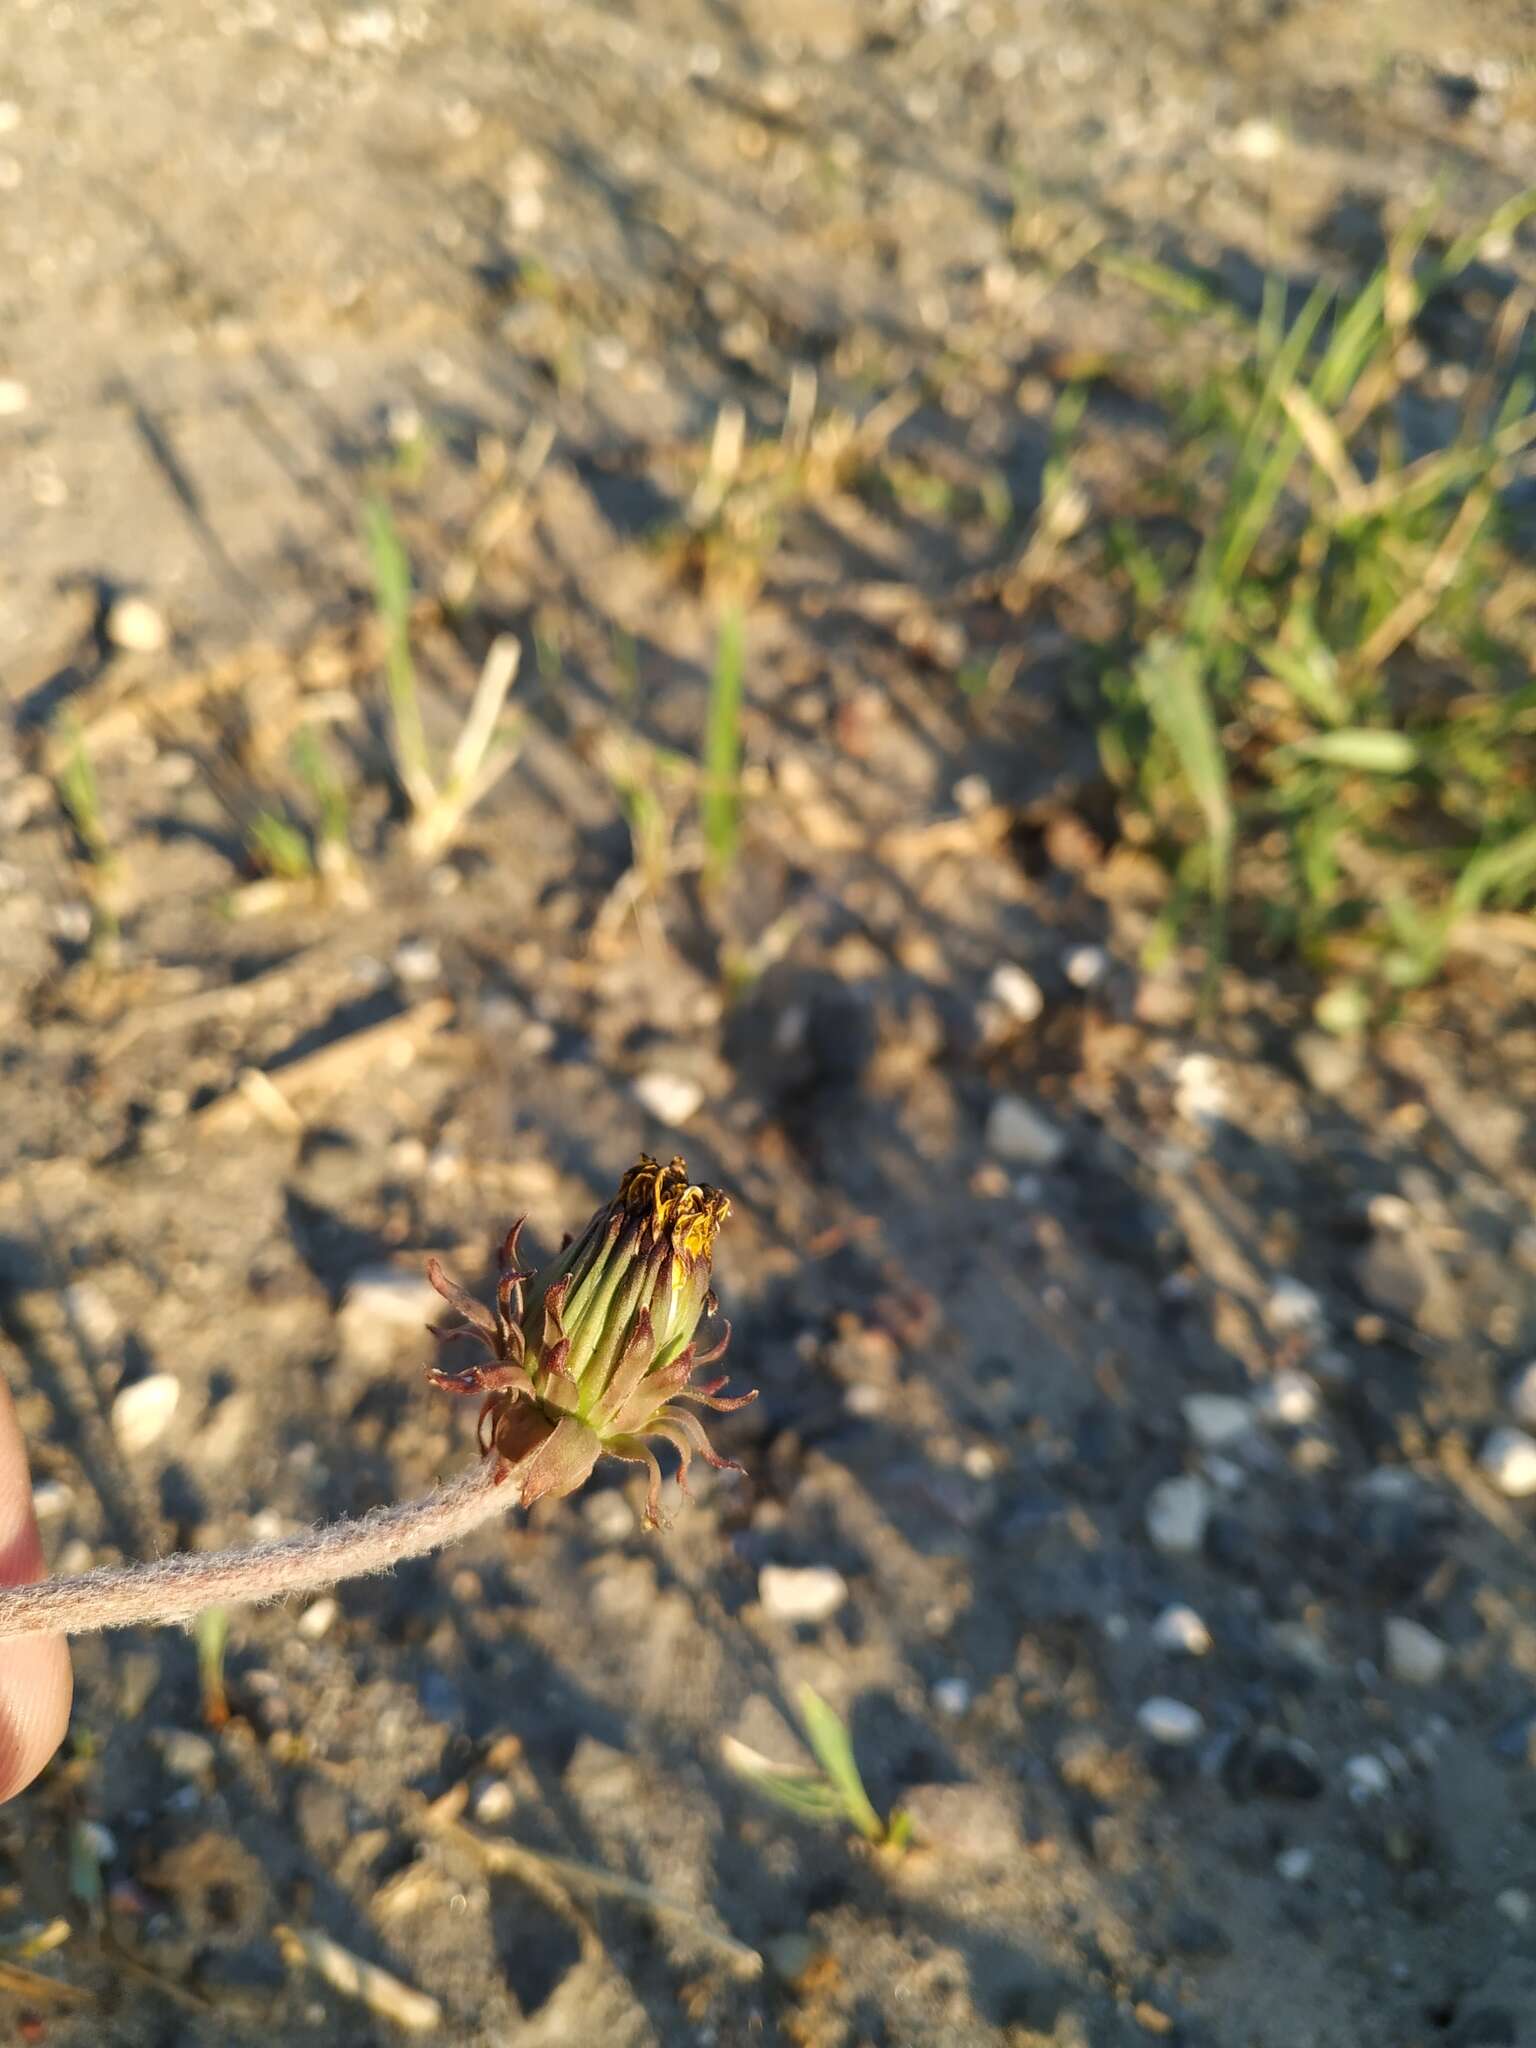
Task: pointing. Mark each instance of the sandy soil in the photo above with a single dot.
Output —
(257, 258)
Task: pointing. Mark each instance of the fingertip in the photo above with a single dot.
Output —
(36, 1687)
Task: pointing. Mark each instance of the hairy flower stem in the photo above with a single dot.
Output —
(175, 1588)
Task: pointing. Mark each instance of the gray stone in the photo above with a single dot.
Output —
(1169, 1722)
(1018, 1133)
(1178, 1511)
(1414, 1654)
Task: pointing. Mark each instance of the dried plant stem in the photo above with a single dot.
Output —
(175, 1588)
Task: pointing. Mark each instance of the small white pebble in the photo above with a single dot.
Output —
(388, 1297)
(51, 1499)
(185, 1753)
(1086, 966)
(75, 1557)
(670, 1098)
(1016, 992)
(136, 626)
(1215, 1419)
(1180, 1630)
(417, 960)
(1294, 1865)
(1522, 1394)
(1509, 1460)
(1288, 1397)
(1018, 1133)
(608, 1515)
(1199, 1092)
(318, 1619)
(801, 1593)
(1177, 1513)
(91, 1313)
(1389, 1213)
(1367, 1778)
(1171, 1723)
(141, 1413)
(1294, 1308)
(972, 793)
(1256, 140)
(864, 1399)
(494, 1802)
(1414, 1654)
(14, 397)
(952, 1696)
(980, 1461)
(1515, 1905)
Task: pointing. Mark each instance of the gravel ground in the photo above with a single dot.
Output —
(1136, 1392)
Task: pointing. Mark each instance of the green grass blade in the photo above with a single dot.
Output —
(1371, 750)
(834, 1752)
(1507, 870)
(1172, 682)
(392, 597)
(721, 805)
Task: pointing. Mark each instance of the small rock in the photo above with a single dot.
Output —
(318, 1619)
(1180, 1631)
(1215, 1419)
(417, 960)
(1294, 1865)
(92, 1314)
(14, 397)
(494, 1801)
(142, 1412)
(1086, 966)
(1178, 1511)
(801, 1593)
(1294, 1309)
(380, 1304)
(670, 1098)
(1331, 1065)
(1522, 1394)
(1256, 139)
(1515, 1905)
(1391, 1213)
(184, 1753)
(51, 1499)
(608, 1515)
(1400, 1276)
(952, 1697)
(1016, 993)
(1170, 1722)
(1414, 1653)
(1509, 1460)
(136, 626)
(1366, 1778)
(1199, 1092)
(1289, 1398)
(1019, 1134)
